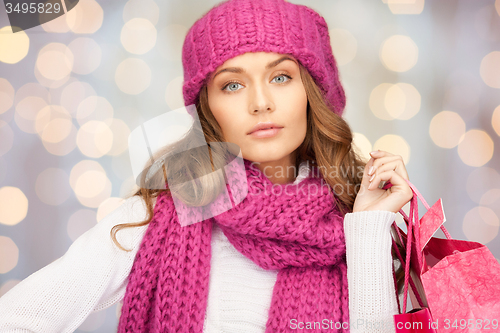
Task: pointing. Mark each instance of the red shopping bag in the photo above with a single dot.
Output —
(455, 284)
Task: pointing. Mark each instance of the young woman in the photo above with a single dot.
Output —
(286, 257)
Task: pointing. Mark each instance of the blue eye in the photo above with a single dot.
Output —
(283, 75)
(234, 83)
(231, 84)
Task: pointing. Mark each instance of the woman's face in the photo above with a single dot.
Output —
(260, 87)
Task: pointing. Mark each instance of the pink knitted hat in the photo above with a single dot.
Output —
(235, 27)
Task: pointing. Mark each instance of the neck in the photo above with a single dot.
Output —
(281, 171)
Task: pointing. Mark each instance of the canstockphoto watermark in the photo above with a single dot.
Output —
(326, 323)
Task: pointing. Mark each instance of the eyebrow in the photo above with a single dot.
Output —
(241, 70)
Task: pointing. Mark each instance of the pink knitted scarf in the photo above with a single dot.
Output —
(295, 228)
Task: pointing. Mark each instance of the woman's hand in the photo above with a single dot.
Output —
(383, 166)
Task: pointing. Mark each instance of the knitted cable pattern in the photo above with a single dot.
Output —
(295, 228)
(235, 27)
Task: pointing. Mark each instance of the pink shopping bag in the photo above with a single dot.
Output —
(416, 320)
(455, 283)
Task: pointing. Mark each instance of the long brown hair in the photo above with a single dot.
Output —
(328, 145)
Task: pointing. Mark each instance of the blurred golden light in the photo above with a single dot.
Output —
(170, 42)
(490, 197)
(476, 148)
(481, 180)
(6, 137)
(53, 123)
(15, 46)
(95, 108)
(108, 206)
(52, 186)
(395, 101)
(377, 101)
(394, 144)
(51, 84)
(86, 18)
(80, 168)
(26, 112)
(490, 69)
(56, 130)
(92, 188)
(362, 145)
(87, 55)
(173, 93)
(481, 225)
(497, 6)
(57, 25)
(55, 61)
(80, 222)
(138, 36)
(74, 93)
(133, 76)
(344, 45)
(120, 132)
(447, 128)
(90, 183)
(13, 205)
(495, 120)
(32, 89)
(402, 101)
(399, 53)
(9, 254)
(7, 94)
(63, 147)
(147, 9)
(94, 139)
(405, 6)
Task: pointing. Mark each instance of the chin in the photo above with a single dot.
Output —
(265, 156)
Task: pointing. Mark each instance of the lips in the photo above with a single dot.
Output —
(263, 126)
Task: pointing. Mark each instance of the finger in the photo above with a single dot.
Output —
(398, 183)
(397, 165)
(399, 194)
(383, 160)
(380, 153)
(365, 181)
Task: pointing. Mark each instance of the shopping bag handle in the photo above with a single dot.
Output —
(413, 231)
(419, 196)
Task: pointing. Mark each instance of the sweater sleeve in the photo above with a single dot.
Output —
(91, 276)
(372, 294)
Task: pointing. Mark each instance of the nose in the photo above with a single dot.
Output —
(261, 99)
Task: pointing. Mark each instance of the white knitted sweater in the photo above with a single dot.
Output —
(92, 275)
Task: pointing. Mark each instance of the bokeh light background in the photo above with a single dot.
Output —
(422, 80)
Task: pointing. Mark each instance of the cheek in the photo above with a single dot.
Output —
(228, 122)
(297, 104)
(216, 106)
